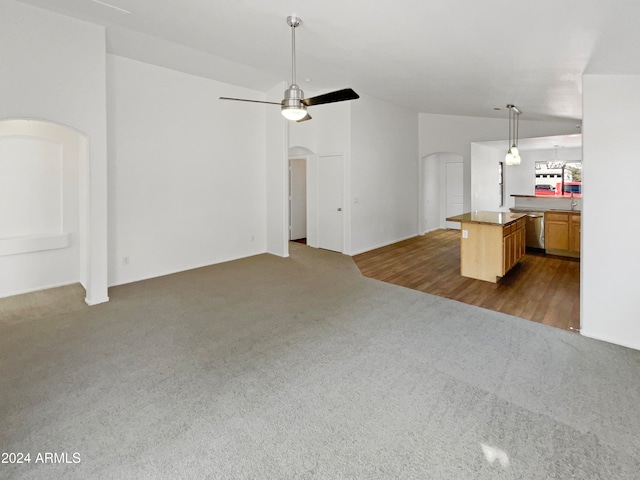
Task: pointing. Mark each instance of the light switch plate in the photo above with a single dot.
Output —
(465, 233)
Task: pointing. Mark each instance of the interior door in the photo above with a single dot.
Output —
(331, 203)
(454, 192)
(298, 198)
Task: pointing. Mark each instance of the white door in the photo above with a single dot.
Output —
(330, 203)
(454, 192)
(298, 198)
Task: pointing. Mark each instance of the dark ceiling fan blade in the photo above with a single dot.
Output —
(331, 97)
(245, 100)
(305, 118)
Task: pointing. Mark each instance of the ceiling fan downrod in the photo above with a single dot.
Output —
(292, 106)
(293, 22)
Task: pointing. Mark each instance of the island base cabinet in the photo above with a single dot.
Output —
(514, 246)
(488, 252)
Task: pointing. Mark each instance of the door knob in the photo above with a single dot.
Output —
(339, 209)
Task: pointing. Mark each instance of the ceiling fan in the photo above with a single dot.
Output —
(294, 106)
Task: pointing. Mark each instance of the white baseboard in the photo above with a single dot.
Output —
(185, 269)
(37, 289)
(432, 230)
(368, 249)
(585, 333)
(93, 301)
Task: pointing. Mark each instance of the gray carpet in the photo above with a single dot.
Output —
(300, 368)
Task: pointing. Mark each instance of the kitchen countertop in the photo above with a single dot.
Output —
(542, 210)
(562, 210)
(575, 195)
(487, 218)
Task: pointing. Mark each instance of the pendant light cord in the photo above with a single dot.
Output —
(510, 126)
(517, 128)
(514, 125)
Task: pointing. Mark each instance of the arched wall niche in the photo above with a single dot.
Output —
(44, 239)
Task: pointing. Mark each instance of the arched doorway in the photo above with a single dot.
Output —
(441, 190)
(325, 216)
(299, 160)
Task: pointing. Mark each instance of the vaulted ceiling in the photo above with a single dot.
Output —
(459, 57)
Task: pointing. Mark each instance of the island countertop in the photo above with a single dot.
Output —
(487, 218)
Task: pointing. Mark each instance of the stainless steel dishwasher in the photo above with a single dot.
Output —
(534, 228)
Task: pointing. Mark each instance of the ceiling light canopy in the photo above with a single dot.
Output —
(513, 154)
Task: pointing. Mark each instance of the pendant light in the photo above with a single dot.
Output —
(513, 154)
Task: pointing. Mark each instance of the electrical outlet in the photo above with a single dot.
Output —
(125, 260)
(465, 233)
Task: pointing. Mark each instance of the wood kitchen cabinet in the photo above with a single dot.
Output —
(562, 233)
(513, 244)
(491, 243)
(575, 222)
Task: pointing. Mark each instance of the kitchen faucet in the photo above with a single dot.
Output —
(574, 202)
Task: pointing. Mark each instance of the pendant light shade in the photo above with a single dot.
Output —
(513, 154)
(511, 159)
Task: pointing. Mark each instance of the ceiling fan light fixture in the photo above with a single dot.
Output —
(292, 107)
(294, 113)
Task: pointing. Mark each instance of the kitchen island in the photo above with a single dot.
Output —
(491, 243)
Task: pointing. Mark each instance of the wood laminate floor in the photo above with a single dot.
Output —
(542, 288)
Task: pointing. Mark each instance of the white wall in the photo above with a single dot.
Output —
(610, 307)
(186, 172)
(430, 202)
(277, 175)
(39, 208)
(384, 173)
(485, 193)
(450, 133)
(53, 68)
